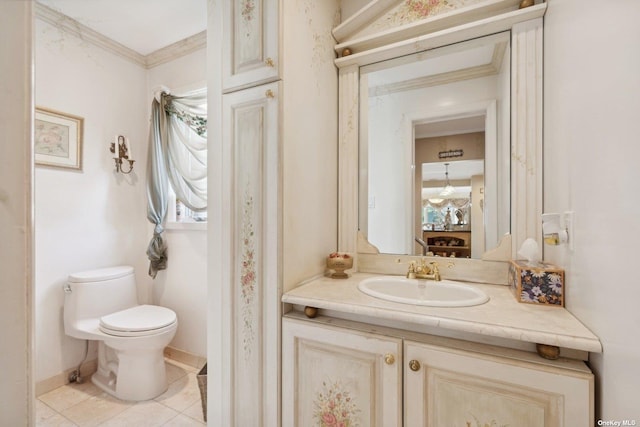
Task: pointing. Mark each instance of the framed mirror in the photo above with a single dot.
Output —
(517, 188)
(434, 149)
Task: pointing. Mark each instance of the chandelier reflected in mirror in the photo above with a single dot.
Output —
(448, 189)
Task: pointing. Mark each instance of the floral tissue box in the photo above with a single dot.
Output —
(542, 284)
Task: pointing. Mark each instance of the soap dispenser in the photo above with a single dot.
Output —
(552, 231)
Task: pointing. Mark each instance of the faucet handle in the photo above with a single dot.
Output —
(411, 273)
(435, 271)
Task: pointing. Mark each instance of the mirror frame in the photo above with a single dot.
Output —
(526, 26)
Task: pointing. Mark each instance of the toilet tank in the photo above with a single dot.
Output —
(92, 294)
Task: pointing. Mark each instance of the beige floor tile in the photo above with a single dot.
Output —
(56, 420)
(183, 421)
(175, 372)
(181, 393)
(150, 414)
(43, 411)
(96, 410)
(69, 395)
(195, 411)
(187, 368)
(201, 362)
(85, 405)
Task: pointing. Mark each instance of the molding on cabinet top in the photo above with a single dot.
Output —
(160, 56)
(376, 10)
(430, 33)
(361, 19)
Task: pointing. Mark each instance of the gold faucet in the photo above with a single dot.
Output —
(424, 271)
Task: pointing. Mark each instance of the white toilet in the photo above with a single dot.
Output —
(102, 305)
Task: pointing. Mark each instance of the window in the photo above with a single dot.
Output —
(189, 131)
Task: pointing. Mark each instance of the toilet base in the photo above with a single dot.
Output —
(138, 374)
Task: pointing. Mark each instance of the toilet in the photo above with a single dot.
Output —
(102, 305)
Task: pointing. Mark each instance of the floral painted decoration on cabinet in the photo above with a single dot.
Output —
(248, 270)
(418, 9)
(334, 407)
(412, 10)
(247, 9)
(492, 423)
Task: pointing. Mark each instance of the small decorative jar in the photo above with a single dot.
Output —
(339, 262)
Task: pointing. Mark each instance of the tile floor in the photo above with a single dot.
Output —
(85, 405)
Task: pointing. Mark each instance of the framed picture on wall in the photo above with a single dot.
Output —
(58, 139)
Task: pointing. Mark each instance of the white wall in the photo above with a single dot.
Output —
(16, 391)
(91, 218)
(182, 286)
(591, 131)
(308, 141)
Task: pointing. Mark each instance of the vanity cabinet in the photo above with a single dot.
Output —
(452, 387)
(333, 376)
(444, 382)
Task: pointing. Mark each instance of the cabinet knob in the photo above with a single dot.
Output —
(269, 62)
(310, 312)
(269, 94)
(414, 365)
(389, 359)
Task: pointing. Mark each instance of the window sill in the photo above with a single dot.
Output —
(186, 225)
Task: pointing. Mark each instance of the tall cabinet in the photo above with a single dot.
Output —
(273, 91)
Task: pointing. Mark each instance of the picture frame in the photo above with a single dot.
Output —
(58, 139)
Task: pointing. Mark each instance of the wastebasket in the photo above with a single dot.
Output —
(202, 385)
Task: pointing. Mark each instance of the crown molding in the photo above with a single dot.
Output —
(71, 26)
(160, 56)
(176, 50)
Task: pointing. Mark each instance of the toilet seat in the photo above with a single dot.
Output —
(138, 321)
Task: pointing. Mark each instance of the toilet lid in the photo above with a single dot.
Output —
(101, 274)
(138, 319)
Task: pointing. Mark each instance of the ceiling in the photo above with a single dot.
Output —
(458, 170)
(450, 127)
(141, 25)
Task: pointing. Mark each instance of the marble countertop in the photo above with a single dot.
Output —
(502, 316)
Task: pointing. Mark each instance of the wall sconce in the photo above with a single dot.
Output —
(123, 148)
(552, 230)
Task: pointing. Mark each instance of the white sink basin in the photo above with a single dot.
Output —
(444, 293)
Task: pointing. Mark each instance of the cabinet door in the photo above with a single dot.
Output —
(445, 387)
(250, 43)
(335, 377)
(250, 233)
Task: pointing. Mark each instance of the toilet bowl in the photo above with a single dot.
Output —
(101, 305)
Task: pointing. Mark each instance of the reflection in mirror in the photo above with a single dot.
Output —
(435, 118)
